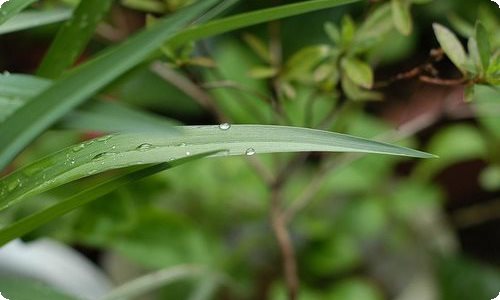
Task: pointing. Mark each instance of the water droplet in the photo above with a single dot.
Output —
(78, 148)
(224, 126)
(250, 151)
(188, 153)
(104, 138)
(182, 145)
(144, 147)
(103, 155)
(6, 73)
(72, 161)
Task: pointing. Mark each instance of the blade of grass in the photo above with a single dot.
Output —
(118, 151)
(72, 38)
(252, 18)
(85, 81)
(30, 19)
(35, 220)
(103, 116)
(12, 8)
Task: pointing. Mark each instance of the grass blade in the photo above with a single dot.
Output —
(118, 151)
(103, 116)
(252, 18)
(12, 8)
(35, 220)
(29, 19)
(72, 38)
(85, 81)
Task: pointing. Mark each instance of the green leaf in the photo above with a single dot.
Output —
(358, 71)
(104, 116)
(72, 38)
(483, 45)
(401, 16)
(118, 151)
(85, 81)
(151, 6)
(354, 92)
(301, 63)
(252, 18)
(12, 8)
(35, 220)
(29, 289)
(29, 19)
(332, 31)
(451, 45)
(475, 65)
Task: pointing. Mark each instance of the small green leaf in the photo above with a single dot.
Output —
(358, 71)
(483, 45)
(354, 92)
(474, 66)
(151, 6)
(401, 16)
(261, 72)
(332, 31)
(347, 32)
(451, 46)
(300, 65)
(258, 46)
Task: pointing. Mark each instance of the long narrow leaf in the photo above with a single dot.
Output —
(29, 19)
(12, 8)
(103, 116)
(27, 224)
(85, 81)
(125, 150)
(252, 18)
(72, 38)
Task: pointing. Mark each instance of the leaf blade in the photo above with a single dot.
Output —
(126, 150)
(72, 38)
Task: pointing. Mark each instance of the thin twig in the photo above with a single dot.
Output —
(279, 225)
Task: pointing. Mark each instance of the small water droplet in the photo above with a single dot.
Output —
(72, 161)
(103, 155)
(104, 138)
(250, 151)
(78, 148)
(182, 145)
(224, 126)
(188, 153)
(144, 147)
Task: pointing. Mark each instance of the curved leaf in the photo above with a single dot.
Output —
(118, 151)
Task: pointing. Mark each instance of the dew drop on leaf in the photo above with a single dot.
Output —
(250, 151)
(144, 147)
(224, 126)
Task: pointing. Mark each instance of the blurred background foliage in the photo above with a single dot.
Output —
(363, 227)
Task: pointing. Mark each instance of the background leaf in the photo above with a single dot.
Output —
(451, 46)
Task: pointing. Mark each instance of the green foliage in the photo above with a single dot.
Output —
(84, 147)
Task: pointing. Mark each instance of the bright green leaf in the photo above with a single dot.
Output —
(451, 46)
(358, 71)
(401, 16)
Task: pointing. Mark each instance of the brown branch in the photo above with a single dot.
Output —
(445, 82)
(279, 225)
